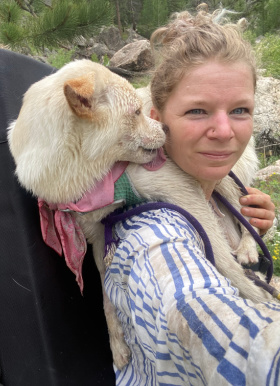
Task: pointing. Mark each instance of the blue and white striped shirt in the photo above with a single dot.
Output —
(183, 321)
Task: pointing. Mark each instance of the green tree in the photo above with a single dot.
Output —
(127, 13)
(268, 52)
(50, 23)
(154, 14)
(272, 15)
(134, 8)
(118, 14)
(263, 15)
(176, 6)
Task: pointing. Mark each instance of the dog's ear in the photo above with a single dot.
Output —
(79, 94)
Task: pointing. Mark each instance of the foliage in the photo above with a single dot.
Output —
(274, 249)
(273, 12)
(61, 57)
(34, 23)
(154, 14)
(250, 36)
(142, 81)
(268, 52)
(94, 58)
(265, 161)
(127, 12)
(265, 16)
(271, 186)
(175, 6)
(10, 12)
(52, 23)
(106, 60)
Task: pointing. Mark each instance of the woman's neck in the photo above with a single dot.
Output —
(208, 188)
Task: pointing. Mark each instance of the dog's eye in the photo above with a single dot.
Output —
(138, 112)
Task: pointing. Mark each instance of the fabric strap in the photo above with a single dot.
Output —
(119, 215)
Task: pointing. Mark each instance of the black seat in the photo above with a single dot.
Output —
(49, 333)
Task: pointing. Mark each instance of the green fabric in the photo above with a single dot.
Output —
(125, 191)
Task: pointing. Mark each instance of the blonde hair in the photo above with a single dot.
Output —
(189, 41)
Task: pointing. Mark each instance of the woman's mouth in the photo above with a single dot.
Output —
(216, 156)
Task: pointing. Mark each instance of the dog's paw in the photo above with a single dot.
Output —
(247, 252)
(120, 350)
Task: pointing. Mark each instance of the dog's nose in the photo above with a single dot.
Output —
(165, 128)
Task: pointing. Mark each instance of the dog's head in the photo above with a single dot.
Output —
(74, 125)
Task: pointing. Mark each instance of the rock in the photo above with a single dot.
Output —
(264, 173)
(81, 41)
(133, 36)
(111, 37)
(267, 115)
(135, 56)
(100, 50)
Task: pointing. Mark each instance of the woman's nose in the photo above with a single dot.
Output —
(220, 126)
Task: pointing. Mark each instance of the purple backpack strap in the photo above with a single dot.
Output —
(120, 215)
(238, 182)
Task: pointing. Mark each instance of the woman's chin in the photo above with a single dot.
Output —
(214, 175)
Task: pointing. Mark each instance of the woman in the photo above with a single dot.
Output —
(183, 321)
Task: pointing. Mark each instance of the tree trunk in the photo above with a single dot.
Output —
(118, 16)
(132, 16)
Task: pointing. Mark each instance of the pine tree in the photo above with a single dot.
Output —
(272, 15)
(154, 14)
(50, 23)
(176, 6)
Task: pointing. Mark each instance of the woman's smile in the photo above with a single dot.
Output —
(216, 155)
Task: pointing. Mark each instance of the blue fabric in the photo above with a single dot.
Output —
(183, 321)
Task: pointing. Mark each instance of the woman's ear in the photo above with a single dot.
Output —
(154, 114)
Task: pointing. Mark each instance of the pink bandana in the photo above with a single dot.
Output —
(60, 229)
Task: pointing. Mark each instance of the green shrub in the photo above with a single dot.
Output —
(250, 36)
(271, 186)
(265, 161)
(274, 249)
(106, 60)
(61, 57)
(141, 81)
(268, 53)
(94, 58)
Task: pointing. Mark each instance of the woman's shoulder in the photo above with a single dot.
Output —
(163, 223)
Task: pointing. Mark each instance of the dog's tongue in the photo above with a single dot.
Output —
(157, 162)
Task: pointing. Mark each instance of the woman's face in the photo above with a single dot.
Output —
(209, 115)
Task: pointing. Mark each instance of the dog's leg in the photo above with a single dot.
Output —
(247, 252)
(120, 350)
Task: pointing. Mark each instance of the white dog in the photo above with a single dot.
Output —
(74, 132)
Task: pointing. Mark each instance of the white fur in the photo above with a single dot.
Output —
(74, 125)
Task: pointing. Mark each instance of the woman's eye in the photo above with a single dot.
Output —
(240, 110)
(196, 111)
